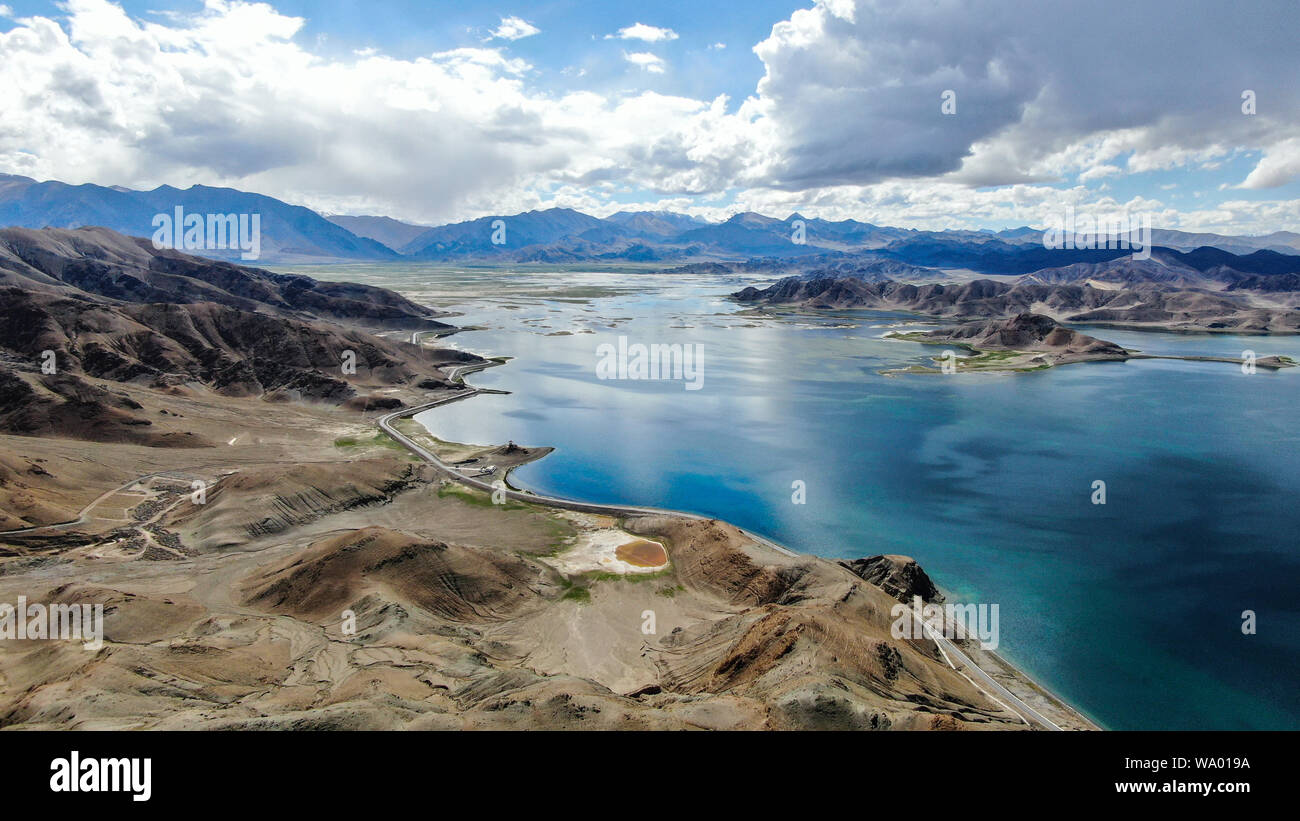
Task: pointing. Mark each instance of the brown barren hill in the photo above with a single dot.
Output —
(455, 583)
(1033, 333)
(83, 309)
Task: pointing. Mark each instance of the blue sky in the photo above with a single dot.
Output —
(830, 108)
(573, 32)
(572, 36)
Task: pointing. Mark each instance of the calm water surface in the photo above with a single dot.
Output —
(1131, 610)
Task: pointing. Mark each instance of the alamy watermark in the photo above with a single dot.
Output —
(651, 361)
(83, 622)
(126, 775)
(209, 232)
(1120, 230)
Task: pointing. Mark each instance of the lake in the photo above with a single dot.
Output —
(1130, 610)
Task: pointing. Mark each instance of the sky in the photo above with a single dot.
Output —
(939, 114)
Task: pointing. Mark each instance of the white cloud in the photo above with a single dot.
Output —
(228, 96)
(844, 123)
(646, 60)
(1279, 165)
(5, 11)
(514, 28)
(853, 89)
(718, 46)
(640, 31)
(1099, 171)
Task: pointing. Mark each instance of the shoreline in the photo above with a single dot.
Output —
(966, 655)
(1012, 360)
(772, 310)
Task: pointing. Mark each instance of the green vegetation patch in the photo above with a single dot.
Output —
(605, 576)
(478, 498)
(381, 440)
(581, 595)
(909, 336)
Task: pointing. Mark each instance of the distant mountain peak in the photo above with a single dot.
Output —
(292, 233)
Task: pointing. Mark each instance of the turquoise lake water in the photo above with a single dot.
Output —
(1131, 610)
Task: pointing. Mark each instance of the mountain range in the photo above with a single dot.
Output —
(110, 265)
(745, 242)
(1149, 305)
(83, 310)
(288, 232)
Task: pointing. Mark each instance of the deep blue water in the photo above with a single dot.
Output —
(1130, 610)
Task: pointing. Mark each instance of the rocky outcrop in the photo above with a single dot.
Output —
(899, 576)
(1030, 332)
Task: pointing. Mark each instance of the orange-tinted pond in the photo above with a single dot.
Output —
(642, 553)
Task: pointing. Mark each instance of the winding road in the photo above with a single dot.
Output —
(386, 425)
(955, 658)
(85, 511)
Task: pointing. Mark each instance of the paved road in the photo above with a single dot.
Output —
(991, 687)
(955, 658)
(386, 424)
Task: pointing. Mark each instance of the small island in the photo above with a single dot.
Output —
(1033, 342)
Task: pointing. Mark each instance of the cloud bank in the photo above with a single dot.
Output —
(1046, 107)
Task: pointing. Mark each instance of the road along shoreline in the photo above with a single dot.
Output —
(954, 656)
